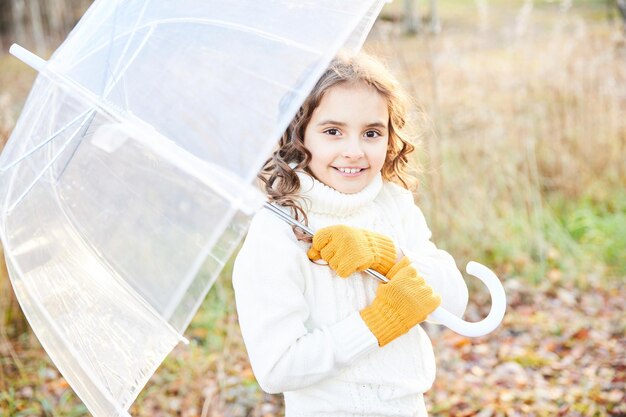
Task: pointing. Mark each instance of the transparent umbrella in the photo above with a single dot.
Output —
(126, 184)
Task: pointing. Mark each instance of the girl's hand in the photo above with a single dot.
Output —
(348, 249)
(400, 304)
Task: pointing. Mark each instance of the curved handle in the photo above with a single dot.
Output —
(495, 316)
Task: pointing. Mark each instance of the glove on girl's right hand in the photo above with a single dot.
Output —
(348, 250)
(400, 304)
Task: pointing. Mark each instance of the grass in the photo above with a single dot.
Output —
(598, 227)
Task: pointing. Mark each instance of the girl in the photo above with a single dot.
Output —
(332, 339)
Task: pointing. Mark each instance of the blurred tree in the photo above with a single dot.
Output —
(12, 321)
(38, 24)
(621, 6)
(5, 16)
(412, 19)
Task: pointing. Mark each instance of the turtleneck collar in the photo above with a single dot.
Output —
(319, 198)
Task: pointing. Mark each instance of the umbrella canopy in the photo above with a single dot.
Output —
(126, 184)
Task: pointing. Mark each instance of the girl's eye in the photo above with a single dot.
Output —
(332, 131)
(372, 134)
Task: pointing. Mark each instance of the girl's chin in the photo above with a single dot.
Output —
(352, 187)
(348, 183)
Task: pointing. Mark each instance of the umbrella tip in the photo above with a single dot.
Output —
(27, 57)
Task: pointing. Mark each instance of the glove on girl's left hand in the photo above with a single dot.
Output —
(402, 303)
(348, 249)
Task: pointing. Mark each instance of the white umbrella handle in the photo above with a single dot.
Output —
(441, 315)
(466, 328)
(495, 316)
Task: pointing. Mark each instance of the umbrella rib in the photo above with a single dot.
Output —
(42, 144)
(128, 42)
(82, 136)
(241, 28)
(49, 164)
(120, 72)
(260, 77)
(208, 22)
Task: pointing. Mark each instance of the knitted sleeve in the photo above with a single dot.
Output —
(436, 265)
(269, 284)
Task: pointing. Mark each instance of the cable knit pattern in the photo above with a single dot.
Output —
(301, 322)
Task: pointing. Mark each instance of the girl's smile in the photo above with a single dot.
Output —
(348, 136)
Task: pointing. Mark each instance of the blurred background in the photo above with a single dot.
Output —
(520, 106)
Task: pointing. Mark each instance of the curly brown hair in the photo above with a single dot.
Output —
(278, 175)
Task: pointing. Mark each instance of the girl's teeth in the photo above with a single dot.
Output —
(349, 170)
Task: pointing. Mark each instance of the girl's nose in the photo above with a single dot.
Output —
(353, 149)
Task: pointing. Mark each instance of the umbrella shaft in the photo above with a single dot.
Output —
(286, 217)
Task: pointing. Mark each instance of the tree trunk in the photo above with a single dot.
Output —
(56, 17)
(411, 17)
(483, 16)
(12, 319)
(18, 29)
(36, 23)
(435, 24)
(621, 7)
(5, 16)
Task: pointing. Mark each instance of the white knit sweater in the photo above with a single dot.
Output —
(300, 321)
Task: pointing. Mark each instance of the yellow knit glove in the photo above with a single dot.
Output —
(401, 264)
(348, 249)
(400, 304)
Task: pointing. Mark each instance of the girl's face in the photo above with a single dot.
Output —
(347, 137)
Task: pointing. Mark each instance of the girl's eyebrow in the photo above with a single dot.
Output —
(331, 122)
(380, 125)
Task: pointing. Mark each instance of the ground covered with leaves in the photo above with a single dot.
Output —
(559, 352)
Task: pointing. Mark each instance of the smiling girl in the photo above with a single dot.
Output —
(331, 338)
